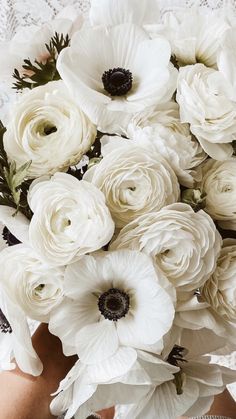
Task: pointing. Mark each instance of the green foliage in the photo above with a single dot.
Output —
(40, 73)
(195, 198)
(94, 155)
(13, 186)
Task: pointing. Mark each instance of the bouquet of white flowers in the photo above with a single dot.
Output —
(118, 194)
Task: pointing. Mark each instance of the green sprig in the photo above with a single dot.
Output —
(39, 73)
(13, 183)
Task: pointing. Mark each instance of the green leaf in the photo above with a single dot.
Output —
(40, 73)
(13, 186)
(15, 178)
(195, 198)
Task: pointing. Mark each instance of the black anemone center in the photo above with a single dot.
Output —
(117, 81)
(9, 238)
(5, 326)
(176, 355)
(113, 304)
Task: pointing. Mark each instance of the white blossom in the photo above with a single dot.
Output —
(116, 70)
(70, 218)
(184, 244)
(47, 128)
(134, 181)
(160, 130)
(204, 97)
(114, 300)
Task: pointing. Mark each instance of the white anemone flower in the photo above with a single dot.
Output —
(29, 42)
(112, 71)
(195, 35)
(6, 343)
(15, 339)
(114, 303)
(87, 389)
(191, 392)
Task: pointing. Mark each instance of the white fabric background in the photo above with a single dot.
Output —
(15, 14)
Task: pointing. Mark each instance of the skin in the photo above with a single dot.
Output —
(25, 397)
(224, 405)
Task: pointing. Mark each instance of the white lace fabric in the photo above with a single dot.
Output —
(16, 14)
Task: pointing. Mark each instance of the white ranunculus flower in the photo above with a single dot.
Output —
(160, 130)
(134, 181)
(114, 12)
(114, 300)
(220, 289)
(47, 128)
(194, 35)
(70, 218)
(29, 42)
(15, 339)
(195, 315)
(204, 97)
(219, 183)
(33, 285)
(116, 70)
(184, 244)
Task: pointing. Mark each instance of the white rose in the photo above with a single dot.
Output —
(30, 283)
(220, 289)
(194, 35)
(134, 182)
(219, 183)
(204, 97)
(48, 128)
(160, 130)
(70, 218)
(184, 244)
